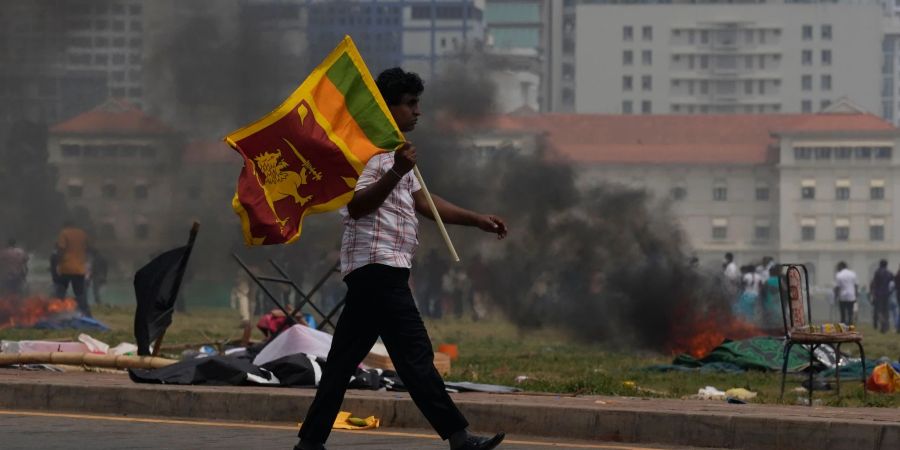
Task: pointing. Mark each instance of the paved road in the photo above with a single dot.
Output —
(39, 430)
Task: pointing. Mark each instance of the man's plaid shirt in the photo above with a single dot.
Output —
(389, 235)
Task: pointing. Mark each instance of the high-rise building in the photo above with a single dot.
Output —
(717, 57)
(417, 34)
(58, 58)
(518, 39)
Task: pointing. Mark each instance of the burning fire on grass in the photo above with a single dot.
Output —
(16, 312)
(698, 333)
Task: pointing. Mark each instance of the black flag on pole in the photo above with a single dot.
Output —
(156, 288)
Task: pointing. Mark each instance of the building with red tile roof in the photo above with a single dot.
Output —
(813, 188)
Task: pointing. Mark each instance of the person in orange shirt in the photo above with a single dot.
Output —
(72, 246)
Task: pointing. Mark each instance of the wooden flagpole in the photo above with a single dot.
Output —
(437, 216)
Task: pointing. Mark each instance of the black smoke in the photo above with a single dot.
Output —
(607, 264)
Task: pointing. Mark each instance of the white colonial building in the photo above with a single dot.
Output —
(810, 188)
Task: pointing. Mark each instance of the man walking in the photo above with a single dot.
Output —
(846, 291)
(881, 292)
(380, 237)
(72, 246)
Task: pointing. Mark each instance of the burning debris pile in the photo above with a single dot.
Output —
(22, 313)
(41, 312)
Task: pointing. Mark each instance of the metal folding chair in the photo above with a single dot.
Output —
(793, 284)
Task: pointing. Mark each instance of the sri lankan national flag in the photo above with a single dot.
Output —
(306, 156)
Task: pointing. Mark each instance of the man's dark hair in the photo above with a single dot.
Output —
(395, 82)
(729, 256)
(882, 263)
(841, 266)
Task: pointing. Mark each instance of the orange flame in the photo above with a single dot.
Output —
(698, 334)
(29, 311)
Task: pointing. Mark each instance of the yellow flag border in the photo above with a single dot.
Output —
(304, 92)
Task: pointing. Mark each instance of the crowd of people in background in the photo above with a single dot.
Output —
(73, 263)
(755, 288)
(757, 299)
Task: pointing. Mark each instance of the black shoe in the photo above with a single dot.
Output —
(308, 446)
(482, 443)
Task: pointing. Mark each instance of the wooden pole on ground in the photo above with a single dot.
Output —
(86, 359)
(437, 216)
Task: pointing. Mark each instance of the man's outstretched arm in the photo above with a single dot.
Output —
(456, 215)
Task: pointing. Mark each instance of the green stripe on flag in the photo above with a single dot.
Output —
(362, 105)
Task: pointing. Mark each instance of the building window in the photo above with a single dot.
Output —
(647, 57)
(806, 83)
(803, 153)
(71, 151)
(876, 190)
(825, 82)
(826, 32)
(762, 232)
(109, 190)
(762, 193)
(876, 229)
(627, 33)
(646, 107)
(806, 106)
(141, 191)
(678, 193)
(843, 153)
(863, 152)
(823, 153)
(720, 228)
(806, 58)
(627, 83)
(808, 232)
(748, 87)
(647, 33)
(141, 230)
(808, 189)
(826, 57)
(842, 230)
(807, 32)
(876, 232)
(627, 58)
(883, 152)
(720, 193)
(148, 152)
(842, 193)
(646, 83)
(627, 107)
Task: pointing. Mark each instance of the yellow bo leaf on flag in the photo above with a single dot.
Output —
(305, 156)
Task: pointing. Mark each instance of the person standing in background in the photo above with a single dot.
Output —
(846, 292)
(13, 269)
(72, 245)
(880, 287)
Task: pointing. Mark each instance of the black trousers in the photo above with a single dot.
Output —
(846, 309)
(78, 288)
(379, 303)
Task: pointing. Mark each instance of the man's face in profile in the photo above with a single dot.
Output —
(406, 112)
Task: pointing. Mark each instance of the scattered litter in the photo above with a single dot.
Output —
(736, 401)
(599, 402)
(522, 378)
(800, 390)
(883, 379)
(345, 421)
(740, 394)
(711, 393)
(629, 385)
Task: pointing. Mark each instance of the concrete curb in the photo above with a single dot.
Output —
(514, 414)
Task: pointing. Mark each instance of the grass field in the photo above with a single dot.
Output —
(496, 352)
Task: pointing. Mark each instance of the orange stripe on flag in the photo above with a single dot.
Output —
(330, 103)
